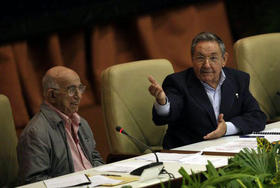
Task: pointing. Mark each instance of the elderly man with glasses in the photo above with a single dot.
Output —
(57, 140)
(206, 101)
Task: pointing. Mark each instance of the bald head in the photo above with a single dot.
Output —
(63, 89)
(56, 76)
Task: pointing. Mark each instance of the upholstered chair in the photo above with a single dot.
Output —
(126, 102)
(8, 140)
(260, 57)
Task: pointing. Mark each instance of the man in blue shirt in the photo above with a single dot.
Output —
(207, 101)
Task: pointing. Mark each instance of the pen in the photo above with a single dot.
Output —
(116, 175)
(246, 136)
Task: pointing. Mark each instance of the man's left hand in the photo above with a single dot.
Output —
(220, 131)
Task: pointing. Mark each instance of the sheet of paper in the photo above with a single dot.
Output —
(109, 180)
(100, 180)
(269, 137)
(125, 167)
(274, 130)
(234, 146)
(272, 138)
(163, 157)
(203, 160)
(67, 181)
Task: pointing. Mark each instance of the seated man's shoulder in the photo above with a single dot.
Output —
(36, 127)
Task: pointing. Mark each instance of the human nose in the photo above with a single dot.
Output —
(78, 94)
(206, 61)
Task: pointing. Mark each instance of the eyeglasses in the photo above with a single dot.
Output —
(211, 59)
(71, 90)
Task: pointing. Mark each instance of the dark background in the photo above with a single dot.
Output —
(26, 19)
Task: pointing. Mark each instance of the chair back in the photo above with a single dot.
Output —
(126, 102)
(8, 137)
(260, 57)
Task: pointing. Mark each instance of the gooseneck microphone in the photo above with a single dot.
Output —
(122, 131)
(139, 170)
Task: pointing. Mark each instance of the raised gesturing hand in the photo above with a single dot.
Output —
(156, 90)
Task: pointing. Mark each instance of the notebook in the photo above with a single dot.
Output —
(274, 131)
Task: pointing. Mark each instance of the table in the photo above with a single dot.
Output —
(200, 146)
(170, 167)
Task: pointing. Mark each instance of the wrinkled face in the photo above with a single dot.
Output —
(68, 97)
(208, 62)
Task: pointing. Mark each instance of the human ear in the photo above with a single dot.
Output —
(51, 94)
(225, 59)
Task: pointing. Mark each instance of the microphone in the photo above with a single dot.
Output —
(139, 170)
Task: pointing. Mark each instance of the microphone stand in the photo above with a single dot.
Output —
(138, 171)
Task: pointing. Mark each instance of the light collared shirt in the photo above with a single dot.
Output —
(214, 96)
(72, 127)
